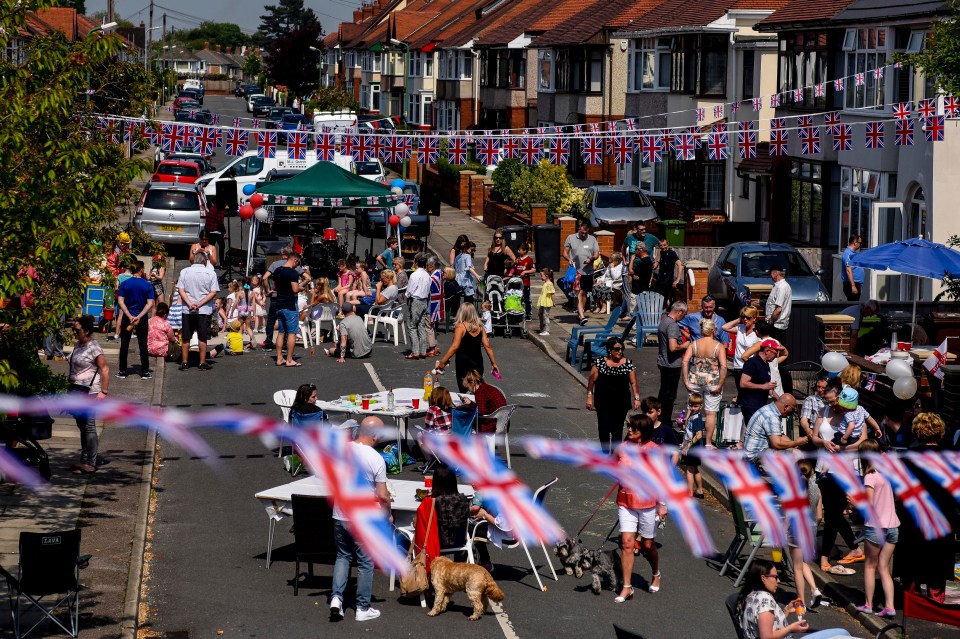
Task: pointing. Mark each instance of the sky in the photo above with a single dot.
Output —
(245, 13)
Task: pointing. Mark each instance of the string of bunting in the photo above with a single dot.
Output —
(779, 507)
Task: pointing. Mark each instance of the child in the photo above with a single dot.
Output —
(345, 282)
(796, 553)
(663, 433)
(322, 293)
(886, 531)
(245, 309)
(487, 318)
(219, 319)
(259, 300)
(160, 335)
(438, 413)
(545, 302)
(524, 268)
(235, 338)
(854, 417)
(233, 301)
(693, 433)
(361, 285)
(509, 268)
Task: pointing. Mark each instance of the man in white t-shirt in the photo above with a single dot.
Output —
(779, 303)
(374, 472)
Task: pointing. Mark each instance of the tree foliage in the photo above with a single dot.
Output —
(940, 58)
(507, 171)
(292, 63)
(79, 5)
(335, 98)
(252, 65)
(282, 19)
(61, 180)
(546, 183)
(225, 34)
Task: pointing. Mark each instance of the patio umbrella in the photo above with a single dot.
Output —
(913, 256)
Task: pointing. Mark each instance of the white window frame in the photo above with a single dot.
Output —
(465, 65)
(426, 109)
(658, 176)
(375, 97)
(448, 115)
(365, 96)
(352, 59)
(377, 61)
(641, 50)
(861, 57)
(917, 42)
(415, 64)
(546, 66)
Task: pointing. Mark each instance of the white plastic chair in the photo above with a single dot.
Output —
(327, 313)
(284, 399)
(388, 316)
(305, 332)
(502, 415)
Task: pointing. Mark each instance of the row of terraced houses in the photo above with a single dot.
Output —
(515, 64)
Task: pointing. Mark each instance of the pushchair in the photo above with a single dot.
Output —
(515, 314)
(495, 292)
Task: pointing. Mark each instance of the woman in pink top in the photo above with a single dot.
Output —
(639, 516)
(881, 535)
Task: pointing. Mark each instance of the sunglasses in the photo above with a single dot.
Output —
(777, 577)
(498, 237)
(617, 349)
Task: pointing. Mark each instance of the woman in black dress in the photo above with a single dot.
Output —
(469, 340)
(612, 383)
(497, 256)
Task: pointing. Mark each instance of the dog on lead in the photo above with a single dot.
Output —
(577, 560)
(448, 577)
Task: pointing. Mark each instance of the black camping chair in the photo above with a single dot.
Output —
(312, 534)
(731, 602)
(49, 565)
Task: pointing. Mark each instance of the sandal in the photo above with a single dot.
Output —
(855, 559)
(840, 570)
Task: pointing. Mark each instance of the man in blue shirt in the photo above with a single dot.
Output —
(135, 298)
(852, 276)
(708, 309)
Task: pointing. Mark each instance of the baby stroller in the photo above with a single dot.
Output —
(495, 293)
(515, 314)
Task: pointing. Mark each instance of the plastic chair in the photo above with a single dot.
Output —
(409, 532)
(388, 316)
(284, 399)
(49, 565)
(647, 316)
(326, 312)
(579, 332)
(502, 415)
(731, 603)
(305, 332)
(312, 534)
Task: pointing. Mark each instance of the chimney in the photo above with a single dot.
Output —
(218, 48)
(357, 15)
(368, 11)
(206, 46)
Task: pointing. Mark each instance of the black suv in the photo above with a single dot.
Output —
(262, 106)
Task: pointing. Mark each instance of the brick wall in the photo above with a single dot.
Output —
(463, 192)
(605, 242)
(834, 331)
(568, 225)
(758, 297)
(696, 292)
(538, 214)
(477, 194)
(498, 214)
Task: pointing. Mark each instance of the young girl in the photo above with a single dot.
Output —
(322, 293)
(805, 577)
(486, 316)
(160, 335)
(259, 300)
(545, 302)
(509, 268)
(234, 339)
(885, 530)
(693, 433)
(245, 310)
(438, 413)
(361, 285)
(233, 301)
(345, 281)
(219, 320)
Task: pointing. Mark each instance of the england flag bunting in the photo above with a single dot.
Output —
(779, 142)
(296, 145)
(531, 151)
(235, 144)
(717, 146)
(831, 121)
(592, 150)
(933, 129)
(903, 136)
(559, 151)
(266, 144)
(791, 489)
(757, 103)
(747, 141)
(915, 499)
(841, 469)
(843, 137)
(874, 135)
(488, 151)
(510, 147)
(939, 468)
(326, 146)
(901, 111)
(622, 149)
(951, 106)
(685, 146)
(457, 150)
(428, 150)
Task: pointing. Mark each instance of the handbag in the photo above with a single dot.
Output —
(416, 581)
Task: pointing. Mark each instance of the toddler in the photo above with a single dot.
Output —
(259, 301)
(881, 535)
(524, 268)
(693, 437)
(438, 413)
(545, 302)
(486, 316)
(235, 338)
(854, 417)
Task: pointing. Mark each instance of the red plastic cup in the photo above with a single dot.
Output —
(366, 403)
(428, 481)
(904, 346)
(416, 403)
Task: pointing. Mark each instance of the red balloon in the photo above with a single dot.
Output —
(394, 220)
(256, 200)
(246, 212)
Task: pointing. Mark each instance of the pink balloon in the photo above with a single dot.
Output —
(246, 212)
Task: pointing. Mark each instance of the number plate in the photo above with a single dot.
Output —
(171, 228)
(296, 208)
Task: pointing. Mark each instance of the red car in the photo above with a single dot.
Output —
(179, 171)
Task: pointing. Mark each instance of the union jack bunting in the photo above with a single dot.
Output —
(838, 85)
(933, 129)
(346, 145)
(701, 114)
(577, 128)
(621, 149)
(718, 111)
(591, 149)
(235, 144)
(798, 95)
(216, 119)
(361, 149)
(778, 123)
(915, 499)
(903, 136)
(939, 469)
(206, 140)
(820, 90)
(717, 146)
(16, 471)
(329, 455)
(878, 73)
(239, 422)
(805, 121)
(779, 142)
(744, 482)
(428, 150)
(757, 103)
(631, 124)
(747, 141)
(718, 127)
(870, 382)
(926, 108)
(326, 146)
(791, 489)
(531, 151)
(218, 137)
(296, 145)
(474, 460)
(901, 110)
(685, 146)
(154, 134)
(734, 107)
(774, 100)
(843, 137)
(669, 137)
(256, 123)
(397, 148)
(178, 137)
(859, 79)
(266, 144)
(841, 469)
(457, 150)
(874, 135)
(488, 150)
(436, 305)
(510, 147)
(831, 120)
(376, 146)
(236, 123)
(596, 127)
(951, 106)
(129, 126)
(810, 140)
(559, 151)
(651, 148)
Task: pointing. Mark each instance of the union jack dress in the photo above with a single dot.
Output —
(436, 307)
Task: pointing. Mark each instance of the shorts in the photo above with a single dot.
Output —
(711, 402)
(288, 321)
(196, 323)
(586, 283)
(690, 461)
(642, 520)
(890, 535)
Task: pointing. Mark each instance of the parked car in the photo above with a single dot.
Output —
(372, 222)
(275, 116)
(294, 121)
(262, 105)
(180, 171)
(191, 94)
(171, 213)
(746, 263)
(372, 170)
(618, 206)
(197, 115)
(243, 90)
(203, 161)
(195, 85)
(251, 97)
(186, 96)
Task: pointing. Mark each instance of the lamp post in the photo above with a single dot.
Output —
(319, 65)
(102, 28)
(406, 77)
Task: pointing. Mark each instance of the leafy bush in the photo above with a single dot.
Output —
(504, 175)
(548, 184)
(951, 286)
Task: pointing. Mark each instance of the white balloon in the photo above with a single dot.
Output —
(905, 387)
(262, 214)
(898, 368)
(406, 221)
(396, 190)
(833, 362)
(401, 209)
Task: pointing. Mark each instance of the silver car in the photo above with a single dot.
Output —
(744, 263)
(617, 206)
(172, 213)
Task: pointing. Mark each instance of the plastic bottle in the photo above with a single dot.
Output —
(391, 401)
(427, 386)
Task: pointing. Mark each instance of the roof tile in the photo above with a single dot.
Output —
(804, 11)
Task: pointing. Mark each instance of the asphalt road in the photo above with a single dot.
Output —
(208, 572)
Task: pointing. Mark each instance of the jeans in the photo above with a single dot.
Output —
(669, 381)
(125, 335)
(271, 320)
(417, 309)
(346, 546)
(834, 521)
(89, 440)
(527, 309)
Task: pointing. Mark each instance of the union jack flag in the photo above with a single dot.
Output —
(933, 129)
(757, 103)
(913, 496)
(577, 128)
(256, 123)
(651, 148)
(377, 145)
(744, 482)
(778, 123)
(216, 118)
(436, 307)
(842, 471)
(218, 137)
(235, 143)
(810, 140)
(878, 73)
(592, 150)
(510, 147)
(236, 123)
(820, 90)
(903, 136)
(206, 140)
(838, 85)
(18, 472)
(488, 150)
(774, 100)
(831, 120)
(901, 110)
(685, 146)
(734, 107)
(843, 137)
(951, 106)
(559, 151)
(326, 146)
(747, 141)
(266, 144)
(701, 114)
(870, 382)
(329, 454)
(926, 108)
(791, 490)
(361, 149)
(428, 150)
(175, 137)
(939, 468)
(630, 123)
(668, 137)
(718, 111)
(239, 422)
(779, 142)
(457, 150)
(622, 149)
(805, 121)
(396, 149)
(128, 128)
(859, 79)
(596, 127)
(798, 95)
(531, 151)
(874, 135)
(297, 145)
(472, 457)
(717, 146)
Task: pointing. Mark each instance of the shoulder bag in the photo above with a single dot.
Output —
(416, 581)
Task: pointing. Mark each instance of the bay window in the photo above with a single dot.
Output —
(865, 49)
(649, 64)
(807, 180)
(545, 62)
(804, 57)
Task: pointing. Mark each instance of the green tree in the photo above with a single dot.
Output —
(548, 184)
(292, 60)
(79, 5)
(61, 181)
(252, 65)
(940, 58)
(225, 34)
(282, 19)
(333, 99)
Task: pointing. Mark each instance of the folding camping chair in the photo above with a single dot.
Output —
(919, 607)
(574, 356)
(463, 425)
(746, 533)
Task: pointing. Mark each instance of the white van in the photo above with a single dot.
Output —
(250, 169)
(335, 122)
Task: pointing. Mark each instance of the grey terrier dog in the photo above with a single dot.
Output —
(577, 560)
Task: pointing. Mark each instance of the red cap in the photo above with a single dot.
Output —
(770, 343)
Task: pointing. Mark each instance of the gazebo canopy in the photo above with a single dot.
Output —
(326, 184)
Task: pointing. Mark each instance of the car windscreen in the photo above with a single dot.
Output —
(758, 263)
(620, 199)
(368, 168)
(411, 189)
(175, 169)
(294, 118)
(172, 200)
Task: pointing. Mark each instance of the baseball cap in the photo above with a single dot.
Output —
(849, 398)
(770, 343)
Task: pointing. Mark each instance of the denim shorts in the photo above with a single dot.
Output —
(890, 535)
(288, 321)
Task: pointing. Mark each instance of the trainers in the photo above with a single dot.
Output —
(544, 333)
(184, 367)
(366, 615)
(336, 609)
(205, 366)
(583, 321)
(111, 338)
(121, 374)
(146, 375)
(267, 346)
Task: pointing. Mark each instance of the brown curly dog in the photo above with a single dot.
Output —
(449, 577)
